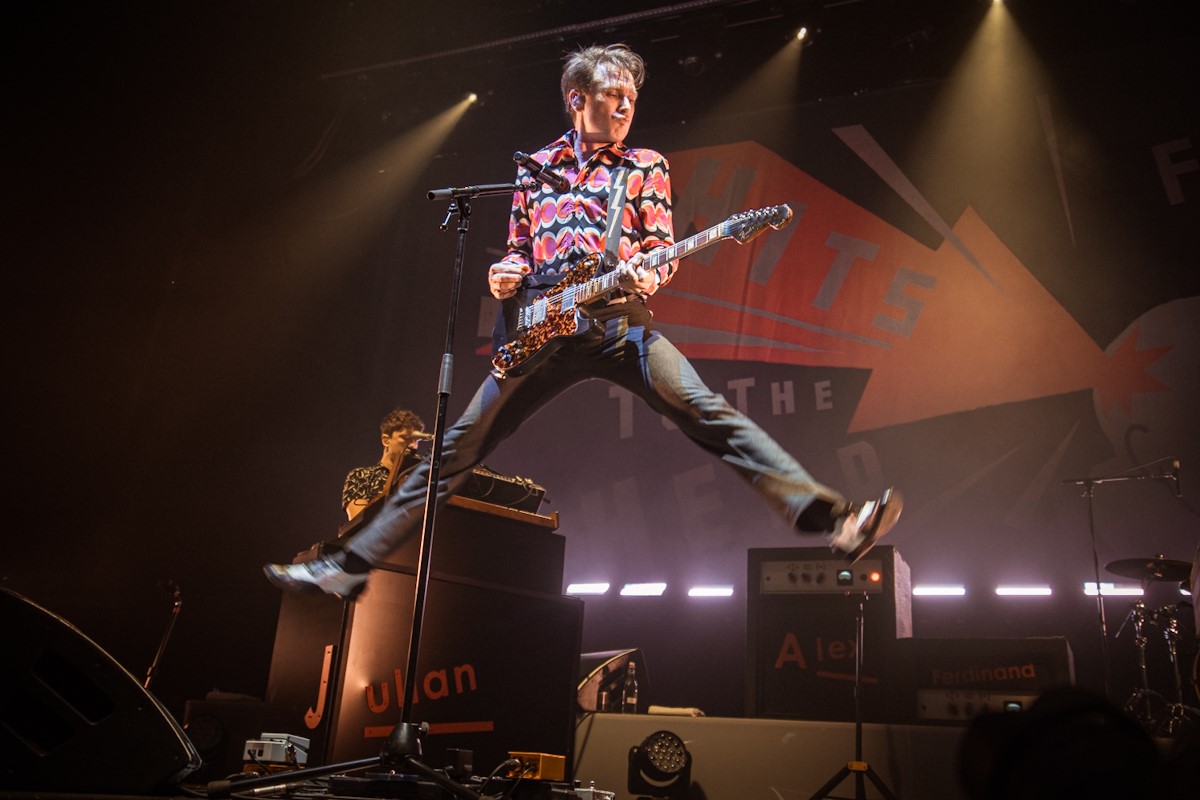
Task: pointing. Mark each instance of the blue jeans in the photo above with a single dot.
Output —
(645, 363)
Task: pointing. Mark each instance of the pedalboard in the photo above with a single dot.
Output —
(277, 750)
(538, 766)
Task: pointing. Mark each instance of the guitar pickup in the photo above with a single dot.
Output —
(537, 311)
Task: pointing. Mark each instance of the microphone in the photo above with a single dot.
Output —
(552, 179)
(421, 435)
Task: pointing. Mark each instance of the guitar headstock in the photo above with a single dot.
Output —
(748, 224)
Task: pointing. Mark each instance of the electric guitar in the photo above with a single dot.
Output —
(541, 320)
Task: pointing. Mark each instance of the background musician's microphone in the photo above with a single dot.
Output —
(552, 179)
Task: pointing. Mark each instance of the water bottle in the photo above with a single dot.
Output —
(629, 692)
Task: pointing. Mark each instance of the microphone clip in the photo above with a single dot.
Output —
(540, 173)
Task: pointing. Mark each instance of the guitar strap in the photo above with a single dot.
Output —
(616, 210)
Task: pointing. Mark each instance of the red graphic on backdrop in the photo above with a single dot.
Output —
(943, 330)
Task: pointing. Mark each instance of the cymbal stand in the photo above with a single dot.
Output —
(1137, 615)
(1178, 709)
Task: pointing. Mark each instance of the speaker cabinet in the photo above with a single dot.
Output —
(801, 633)
(72, 719)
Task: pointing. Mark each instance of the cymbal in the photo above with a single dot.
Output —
(1153, 569)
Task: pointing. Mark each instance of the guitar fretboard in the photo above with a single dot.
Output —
(602, 284)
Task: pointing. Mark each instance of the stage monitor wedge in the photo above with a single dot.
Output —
(74, 720)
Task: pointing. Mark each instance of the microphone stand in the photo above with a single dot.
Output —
(403, 747)
(460, 204)
(1089, 491)
(861, 770)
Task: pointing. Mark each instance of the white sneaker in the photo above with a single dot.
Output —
(858, 531)
(321, 574)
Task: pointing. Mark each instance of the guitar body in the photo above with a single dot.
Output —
(538, 321)
(535, 325)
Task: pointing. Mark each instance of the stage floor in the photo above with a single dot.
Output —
(732, 759)
(747, 759)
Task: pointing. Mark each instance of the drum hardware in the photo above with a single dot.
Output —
(1196, 673)
(1172, 715)
(1145, 695)
(1158, 568)
(1165, 468)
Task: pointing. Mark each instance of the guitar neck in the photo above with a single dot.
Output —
(688, 246)
(609, 281)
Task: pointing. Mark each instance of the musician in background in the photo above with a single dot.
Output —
(550, 230)
(397, 432)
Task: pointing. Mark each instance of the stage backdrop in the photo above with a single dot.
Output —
(987, 293)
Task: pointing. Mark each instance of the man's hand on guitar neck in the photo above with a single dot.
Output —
(634, 278)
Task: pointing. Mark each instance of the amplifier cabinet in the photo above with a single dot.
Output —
(498, 659)
(954, 680)
(801, 633)
(477, 541)
(497, 670)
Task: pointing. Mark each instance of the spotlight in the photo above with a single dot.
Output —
(939, 591)
(710, 591)
(702, 43)
(643, 589)
(805, 36)
(1023, 591)
(660, 767)
(1111, 590)
(587, 588)
(472, 98)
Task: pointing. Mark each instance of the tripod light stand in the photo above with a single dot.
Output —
(860, 769)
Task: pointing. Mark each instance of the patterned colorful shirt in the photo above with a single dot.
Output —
(364, 483)
(549, 232)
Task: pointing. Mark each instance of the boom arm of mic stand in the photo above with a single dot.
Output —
(1135, 474)
(482, 190)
